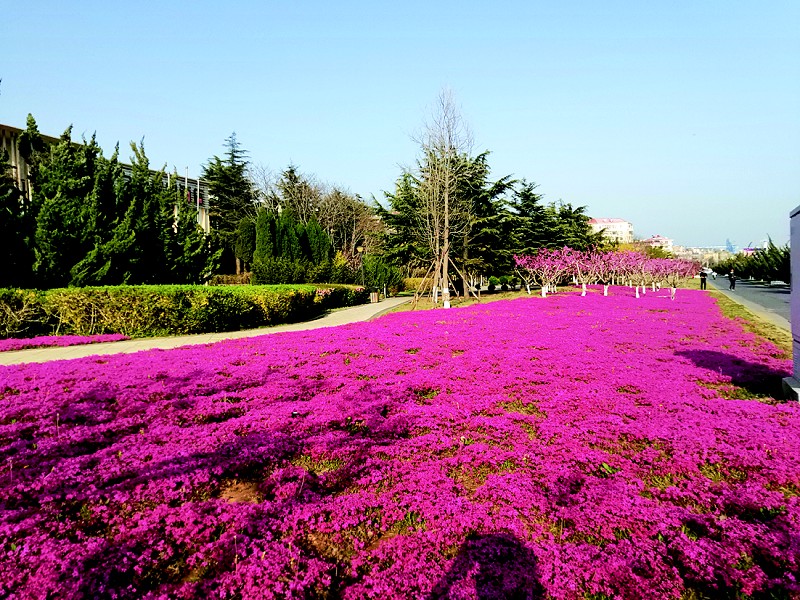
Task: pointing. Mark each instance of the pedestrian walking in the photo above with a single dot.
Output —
(732, 279)
(703, 278)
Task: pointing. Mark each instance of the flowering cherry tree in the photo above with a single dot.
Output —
(548, 267)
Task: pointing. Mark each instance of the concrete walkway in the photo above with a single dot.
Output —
(343, 316)
(721, 285)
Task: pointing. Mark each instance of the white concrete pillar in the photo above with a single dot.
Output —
(791, 385)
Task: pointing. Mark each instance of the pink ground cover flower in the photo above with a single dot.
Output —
(566, 447)
(12, 344)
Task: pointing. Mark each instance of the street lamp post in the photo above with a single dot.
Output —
(360, 250)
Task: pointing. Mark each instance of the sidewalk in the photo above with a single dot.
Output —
(756, 309)
(363, 312)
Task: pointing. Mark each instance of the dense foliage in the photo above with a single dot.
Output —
(772, 263)
(234, 203)
(502, 451)
(141, 311)
(92, 221)
(288, 250)
(505, 218)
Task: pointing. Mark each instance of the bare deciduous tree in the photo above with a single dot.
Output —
(446, 143)
(345, 217)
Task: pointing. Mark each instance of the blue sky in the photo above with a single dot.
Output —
(681, 117)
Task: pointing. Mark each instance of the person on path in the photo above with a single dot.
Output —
(732, 278)
(703, 278)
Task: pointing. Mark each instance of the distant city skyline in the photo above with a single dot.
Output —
(682, 118)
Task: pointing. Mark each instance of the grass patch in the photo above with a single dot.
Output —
(426, 303)
(754, 324)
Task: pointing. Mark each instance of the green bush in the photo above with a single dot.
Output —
(380, 275)
(414, 284)
(276, 270)
(144, 311)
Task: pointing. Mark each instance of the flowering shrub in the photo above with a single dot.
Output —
(58, 340)
(569, 448)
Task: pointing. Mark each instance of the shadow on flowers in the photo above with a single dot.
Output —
(748, 379)
(500, 565)
(237, 503)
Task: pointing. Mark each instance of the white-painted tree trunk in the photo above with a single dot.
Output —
(605, 289)
(637, 291)
(672, 293)
(544, 291)
(583, 289)
(654, 286)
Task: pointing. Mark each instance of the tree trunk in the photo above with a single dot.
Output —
(446, 251)
(465, 257)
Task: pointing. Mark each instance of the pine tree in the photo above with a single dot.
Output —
(234, 198)
(63, 181)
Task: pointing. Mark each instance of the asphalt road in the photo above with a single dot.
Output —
(772, 300)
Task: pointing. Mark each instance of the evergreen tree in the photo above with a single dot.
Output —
(234, 198)
(191, 255)
(401, 240)
(484, 246)
(246, 241)
(319, 244)
(572, 227)
(288, 241)
(135, 253)
(266, 246)
(102, 213)
(534, 223)
(63, 181)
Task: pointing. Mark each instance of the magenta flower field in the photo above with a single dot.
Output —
(44, 341)
(561, 447)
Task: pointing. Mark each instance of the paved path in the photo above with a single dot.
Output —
(770, 302)
(363, 312)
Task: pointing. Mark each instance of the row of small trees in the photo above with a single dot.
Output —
(768, 264)
(549, 267)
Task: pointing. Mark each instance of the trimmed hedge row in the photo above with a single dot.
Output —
(146, 311)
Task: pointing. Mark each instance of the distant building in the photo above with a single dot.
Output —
(658, 241)
(617, 230)
(194, 190)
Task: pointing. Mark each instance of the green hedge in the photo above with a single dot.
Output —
(145, 311)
